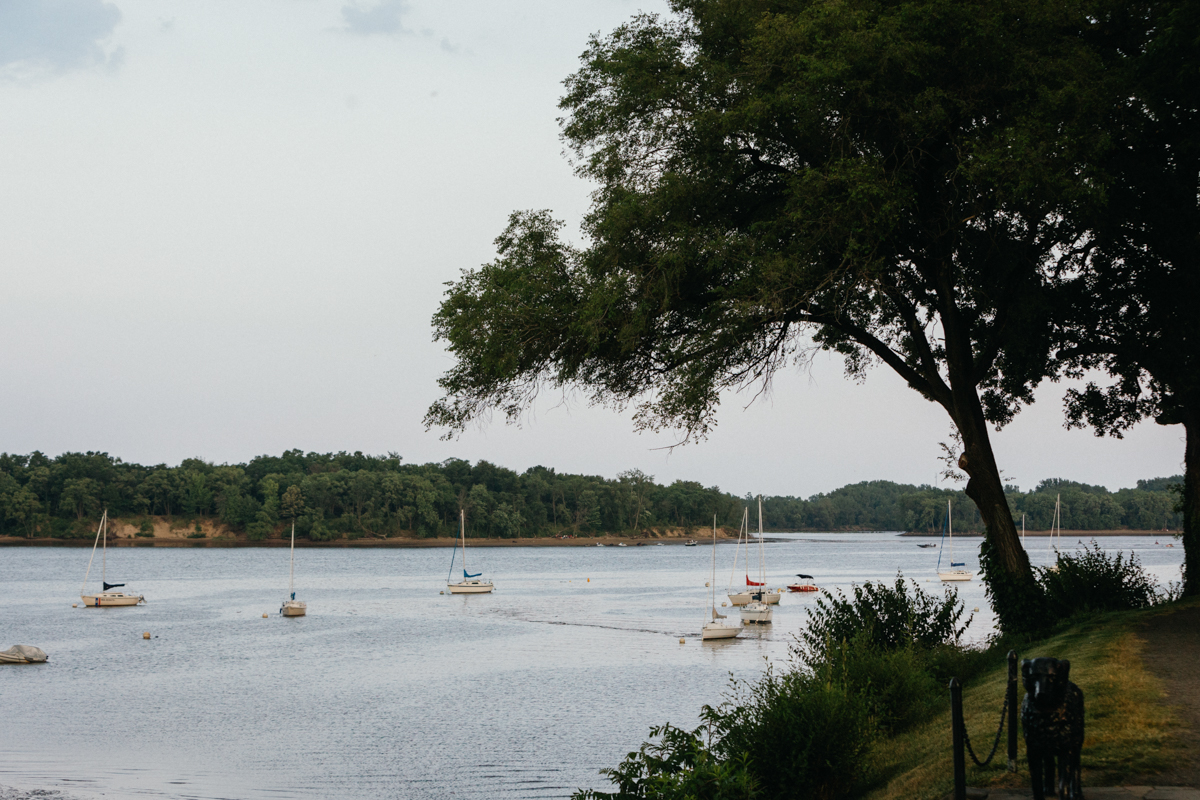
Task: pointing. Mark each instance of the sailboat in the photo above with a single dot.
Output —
(714, 628)
(952, 574)
(106, 597)
(757, 610)
(752, 587)
(293, 607)
(470, 584)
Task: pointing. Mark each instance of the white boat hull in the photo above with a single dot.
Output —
(742, 598)
(470, 587)
(294, 608)
(111, 600)
(956, 575)
(716, 630)
(757, 614)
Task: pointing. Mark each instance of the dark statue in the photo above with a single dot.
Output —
(1052, 719)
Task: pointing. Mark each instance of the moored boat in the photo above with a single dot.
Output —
(106, 598)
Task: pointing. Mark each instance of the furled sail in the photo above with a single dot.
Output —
(108, 586)
(753, 583)
(468, 575)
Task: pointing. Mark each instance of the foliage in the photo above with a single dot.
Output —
(1089, 581)
(805, 734)
(677, 767)
(887, 618)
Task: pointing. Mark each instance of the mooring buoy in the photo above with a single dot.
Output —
(146, 634)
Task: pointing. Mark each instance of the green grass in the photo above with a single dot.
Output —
(1129, 728)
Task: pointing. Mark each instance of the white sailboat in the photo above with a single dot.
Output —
(741, 598)
(106, 598)
(293, 607)
(714, 628)
(952, 574)
(758, 611)
(470, 584)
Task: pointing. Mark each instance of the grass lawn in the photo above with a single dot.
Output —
(1129, 729)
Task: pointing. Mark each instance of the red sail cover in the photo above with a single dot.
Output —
(752, 583)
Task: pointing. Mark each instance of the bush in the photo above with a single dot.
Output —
(1089, 581)
(677, 767)
(897, 685)
(890, 618)
(804, 735)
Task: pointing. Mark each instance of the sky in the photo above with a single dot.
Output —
(224, 228)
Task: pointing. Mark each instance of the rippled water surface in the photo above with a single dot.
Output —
(388, 689)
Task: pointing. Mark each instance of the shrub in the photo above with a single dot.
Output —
(897, 685)
(890, 618)
(677, 767)
(1089, 580)
(805, 736)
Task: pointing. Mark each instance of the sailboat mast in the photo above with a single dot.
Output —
(950, 528)
(104, 552)
(462, 526)
(292, 565)
(712, 584)
(762, 567)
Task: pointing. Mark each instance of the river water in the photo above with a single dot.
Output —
(388, 689)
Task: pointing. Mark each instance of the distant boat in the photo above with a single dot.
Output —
(22, 654)
(692, 543)
(714, 628)
(802, 587)
(931, 544)
(470, 584)
(601, 544)
(952, 574)
(752, 587)
(105, 598)
(293, 607)
(621, 544)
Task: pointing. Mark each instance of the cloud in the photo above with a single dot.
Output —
(50, 37)
(384, 19)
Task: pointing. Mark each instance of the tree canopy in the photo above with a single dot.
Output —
(892, 181)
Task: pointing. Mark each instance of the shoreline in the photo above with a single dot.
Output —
(674, 540)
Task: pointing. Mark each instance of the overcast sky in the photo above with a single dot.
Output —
(225, 227)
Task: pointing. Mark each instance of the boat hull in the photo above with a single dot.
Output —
(803, 587)
(956, 575)
(757, 614)
(294, 608)
(715, 630)
(111, 600)
(470, 587)
(742, 598)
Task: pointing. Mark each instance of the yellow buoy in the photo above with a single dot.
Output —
(74, 605)
(589, 580)
(146, 634)
(264, 616)
(975, 609)
(681, 641)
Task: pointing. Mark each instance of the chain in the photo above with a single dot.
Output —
(995, 744)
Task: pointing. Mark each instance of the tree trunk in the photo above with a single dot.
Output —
(1191, 504)
(1015, 595)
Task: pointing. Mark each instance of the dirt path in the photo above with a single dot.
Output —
(1172, 654)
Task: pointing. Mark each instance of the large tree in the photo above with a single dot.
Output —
(893, 181)
(1135, 308)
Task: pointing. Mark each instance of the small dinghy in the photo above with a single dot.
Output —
(23, 654)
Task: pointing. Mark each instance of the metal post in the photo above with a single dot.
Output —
(1012, 710)
(956, 727)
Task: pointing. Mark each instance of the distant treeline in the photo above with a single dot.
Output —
(336, 495)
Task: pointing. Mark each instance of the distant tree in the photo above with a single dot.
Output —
(291, 505)
(887, 181)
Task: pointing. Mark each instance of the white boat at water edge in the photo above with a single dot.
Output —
(106, 598)
(293, 607)
(952, 574)
(714, 628)
(470, 584)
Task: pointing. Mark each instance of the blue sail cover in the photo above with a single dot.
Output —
(958, 563)
(468, 575)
